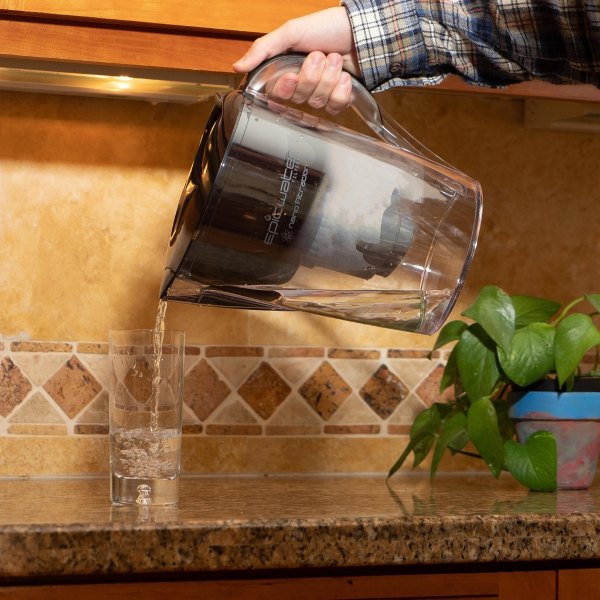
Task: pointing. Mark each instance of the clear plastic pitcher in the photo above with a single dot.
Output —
(287, 211)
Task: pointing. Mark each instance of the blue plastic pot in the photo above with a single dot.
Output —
(574, 419)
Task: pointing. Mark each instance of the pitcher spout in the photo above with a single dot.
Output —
(167, 281)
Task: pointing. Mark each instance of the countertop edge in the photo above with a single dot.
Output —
(79, 549)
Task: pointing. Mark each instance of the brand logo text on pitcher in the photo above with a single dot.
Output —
(289, 174)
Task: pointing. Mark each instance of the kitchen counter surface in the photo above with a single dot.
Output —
(54, 527)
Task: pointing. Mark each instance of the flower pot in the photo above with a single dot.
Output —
(574, 419)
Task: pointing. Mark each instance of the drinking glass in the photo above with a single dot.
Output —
(145, 413)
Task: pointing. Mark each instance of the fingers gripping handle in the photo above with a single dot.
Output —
(361, 100)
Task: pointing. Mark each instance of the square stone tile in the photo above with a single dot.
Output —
(383, 392)
(325, 390)
(72, 387)
(429, 390)
(14, 386)
(264, 390)
(204, 390)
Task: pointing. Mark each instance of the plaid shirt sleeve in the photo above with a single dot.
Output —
(487, 42)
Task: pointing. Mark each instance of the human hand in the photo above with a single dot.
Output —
(322, 83)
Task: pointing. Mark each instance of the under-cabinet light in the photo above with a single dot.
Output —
(153, 85)
(563, 115)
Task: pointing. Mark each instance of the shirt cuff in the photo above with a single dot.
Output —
(389, 43)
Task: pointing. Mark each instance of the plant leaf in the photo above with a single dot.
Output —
(494, 311)
(421, 449)
(450, 332)
(505, 423)
(476, 361)
(575, 335)
(409, 448)
(450, 374)
(483, 430)
(533, 310)
(455, 428)
(422, 433)
(531, 355)
(429, 422)
(594, 300)
(534, 463)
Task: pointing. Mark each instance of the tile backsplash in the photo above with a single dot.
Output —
(61, 388)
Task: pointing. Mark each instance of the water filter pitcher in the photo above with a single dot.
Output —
(284, 210)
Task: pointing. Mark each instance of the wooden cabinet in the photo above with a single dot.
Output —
(550, 584)
(188, 35)
(196, 35)
(578, 584)
(34, 37)
(242, 16)
(535, 585)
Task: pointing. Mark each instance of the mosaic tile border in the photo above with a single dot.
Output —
(60, 388)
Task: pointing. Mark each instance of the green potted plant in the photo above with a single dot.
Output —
(512, 350)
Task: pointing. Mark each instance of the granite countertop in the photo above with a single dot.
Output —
(54, 527)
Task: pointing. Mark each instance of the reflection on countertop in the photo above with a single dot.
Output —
(54, 527)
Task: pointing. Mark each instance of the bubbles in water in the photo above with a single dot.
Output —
(144, 453)
(145, 494)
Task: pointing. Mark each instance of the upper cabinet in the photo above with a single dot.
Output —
(191, 37)
(197, 35)
(241, 16)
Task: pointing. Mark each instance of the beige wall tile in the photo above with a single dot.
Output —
(412, 371)
(39, 366)
(352, 429)
(30, 346)
(283, 352)
(36, 409)
(232, 429)
(406, 412)
(37, 429)
(92, 348)
(356, 372)
(235, 369)
(295, 369)
(53, 454)
(96, 412)
(234, 413)
(354, 411)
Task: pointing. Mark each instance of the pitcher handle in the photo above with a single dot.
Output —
(361, 101)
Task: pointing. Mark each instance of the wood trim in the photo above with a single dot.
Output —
(316, 588)
(102, 44)
(517, 585)
(249, 16)
(527, 89)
